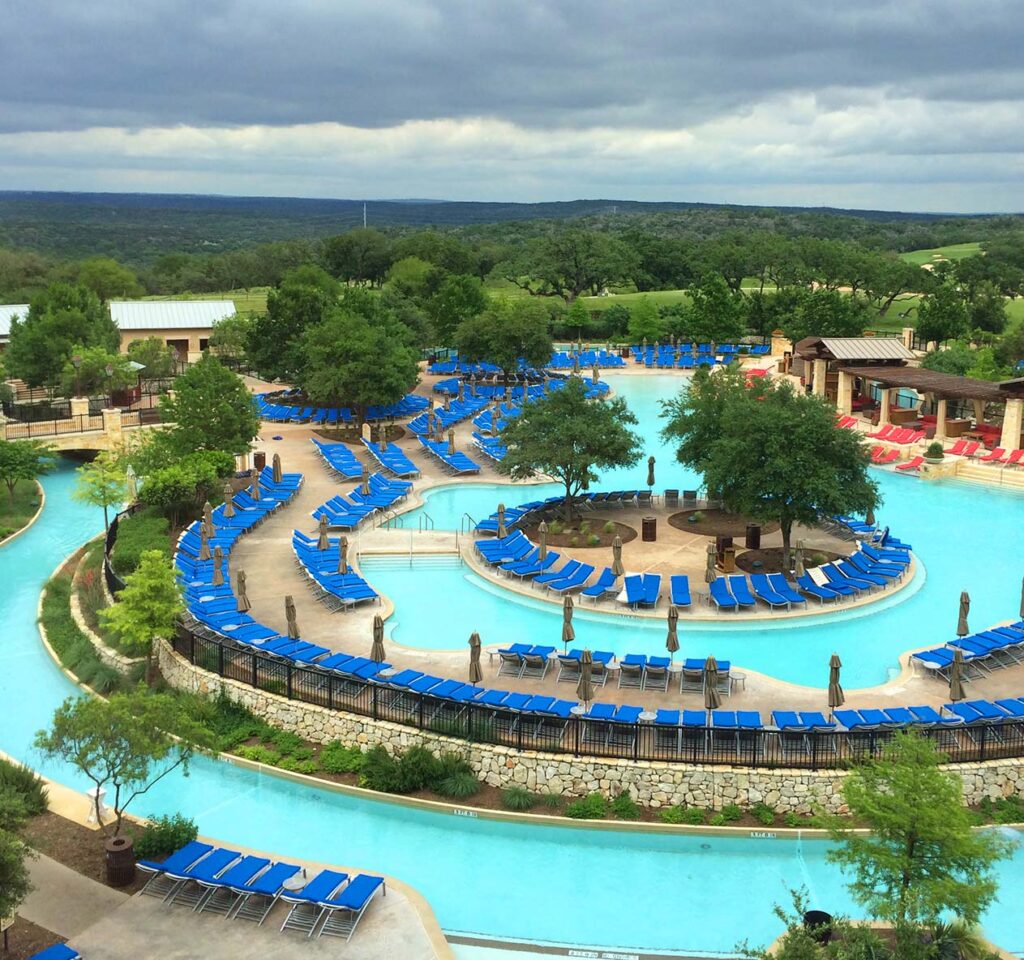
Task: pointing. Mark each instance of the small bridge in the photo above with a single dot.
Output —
(82, 431)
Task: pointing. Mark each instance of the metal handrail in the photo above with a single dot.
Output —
(426, 522)
(463, 527)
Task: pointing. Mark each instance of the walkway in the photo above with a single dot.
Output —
(64, 901)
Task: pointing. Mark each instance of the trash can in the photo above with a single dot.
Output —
(819, 925)
(120, 860)
(753, 541)
(649, 529)
(259, 460)
(729, 560)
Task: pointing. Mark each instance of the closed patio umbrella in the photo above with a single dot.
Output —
(542, 530)
(462, 390)
(836, 697)
(617, 567)
(439, 433)
(204, 543)
(430, 420)
(672, 638)
(710, 572)
(377, 650)
(451, 442)
(798, 560)
(712, 698)
(218, 567)
(956, 684)
(276, 472)
(254, 490)
(650, 472)
(643, 343)
(241, 595)
(229, 501)
(595, 376)
(343, 556)
(366, 486)
(289, 615)
(576, 363)
(208, 519)
(131, 483)
(476, 673)
(502, 530)
(568, 633)
(965, 608)
(585, 686)
(322, 542)
(447, 401)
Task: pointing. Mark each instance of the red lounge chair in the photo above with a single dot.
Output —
(902, 435)
(996, 456)
(972, 448)
(845, 423)
(1013, 460)
(883, 432)
(885, 456)
(914, 465)
(958, 448)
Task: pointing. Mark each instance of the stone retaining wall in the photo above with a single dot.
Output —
(651, 784)
(107, 654)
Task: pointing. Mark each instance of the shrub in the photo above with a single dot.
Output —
(1003, 810)
(625, 807)
(717, 820)
(763, 814)
(381, 771)
(817, 559)
(593, 540)
(935, 451)
(145, 530)
(163, 835)
(335, 757)
(555, 526)
(518, 798)
(230, 723)
(609, 527)
(593, 806)
(24, 782)
(259, 754)
(791, 819)
(296, 765)
(693, 816)
(420, 768)
(458, 786)
(289, 744)
(731, 813)
(551, 800)
(574, 541)
(585, 526)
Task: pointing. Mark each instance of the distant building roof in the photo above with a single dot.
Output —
(854, 348)
(8, 311)
(169, 314)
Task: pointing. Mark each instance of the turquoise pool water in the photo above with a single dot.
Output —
(570, 886)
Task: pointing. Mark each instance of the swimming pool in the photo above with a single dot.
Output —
(555, 884)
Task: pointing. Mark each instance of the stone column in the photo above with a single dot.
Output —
(819, 378)
(844, 397)
(1012, 421)
(79, 406)
(940, 420)
(780, 344)
(908, 337)
(112, 426)
(885, 407)
(979, 411)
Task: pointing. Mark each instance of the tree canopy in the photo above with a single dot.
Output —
(24, 460)
(96, 370)
(456, 299)
(645, 322)
(825, 313)
(505, 333)
(767, 451)
(942, 315)
(920, 857)
(102, 483)
(155, 356)
(61, 320)
(570, 438)
(716, 314)
(108, 279)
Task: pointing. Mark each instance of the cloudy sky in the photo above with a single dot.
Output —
(900, 104)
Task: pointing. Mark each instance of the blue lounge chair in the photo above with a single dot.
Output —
(59, 951)
(818, 591)
(187, 887)
(740, 590)
(602, 586)
(719, 592)
(652, 589)
(238, 875)
(307, 903)
(158, 885)
(257, 899)
(342, 913)
(763, 590)
(679, 588)
(633, 590)
(781, 586)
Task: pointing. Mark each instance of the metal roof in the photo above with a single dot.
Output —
(169, 314)
(8, 311)
(855, 348)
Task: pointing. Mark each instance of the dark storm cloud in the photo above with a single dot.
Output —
(571, 63)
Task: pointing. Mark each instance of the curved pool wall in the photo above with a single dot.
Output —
(564, 885)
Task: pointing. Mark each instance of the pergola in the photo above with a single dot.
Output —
(943, 387)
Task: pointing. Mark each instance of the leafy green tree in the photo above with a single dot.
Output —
(359, 256)
(457, 299)
(94, 370)
(569, 263)
(888, 279)
(577, 319)
(505, 333)
(616, 320)
(181, 486)
(24, 460)
(568, 437)
(298, 302)
(957, 358)
(15, 881)
(230, 336)
(412, 277)
(987, 309)
(716, 314)
(411, 315)
(108, 279)
(645, 322)
(942, 315)
(358, 356)
(146, 608)
(920, 857)
(767, 451)
(102, 483)
(211, 409)
(825, 313)
(61, 320)
(124, 745)
(1009, 350)
(156, 357)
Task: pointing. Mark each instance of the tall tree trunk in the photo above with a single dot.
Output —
(787, 532)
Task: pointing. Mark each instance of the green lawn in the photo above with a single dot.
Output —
(660, 298)
(955, 251)
(253, 300)
(13, 516)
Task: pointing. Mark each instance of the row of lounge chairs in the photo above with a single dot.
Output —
(346, 513)
(998, 456)
(980, 652)
(335, 590)
(490, 447)
(456, 463)
(391, 458)
(283, 412)
(245, 887)
(563, 360)
(458, 411)
(340, 461)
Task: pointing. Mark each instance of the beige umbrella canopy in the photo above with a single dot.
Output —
(218, 567)
(476, 674)
(672, 637)
(712, 698)
(836, 697)
(289, 615)
(798, 560)
(595, 377)
(241, 593)
(542, 529)
(229, 501)
(254, 490)
(377, 650)
(204, 543)
(208, 519)
(617, 567)
(965, 608)
(710, 571)
(956, 683)
(343, 556)
(322, 542)
(439, 433)
(462, 390)
(502, 529)
(276, 468)
(650, 472)
(585, 686)
(131, 481)
(568, 633)
(451, 442)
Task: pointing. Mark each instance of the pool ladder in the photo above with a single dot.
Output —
(426, 522)
(467, 524)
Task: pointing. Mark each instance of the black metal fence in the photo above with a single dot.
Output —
(576, 736)
(13, 430)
